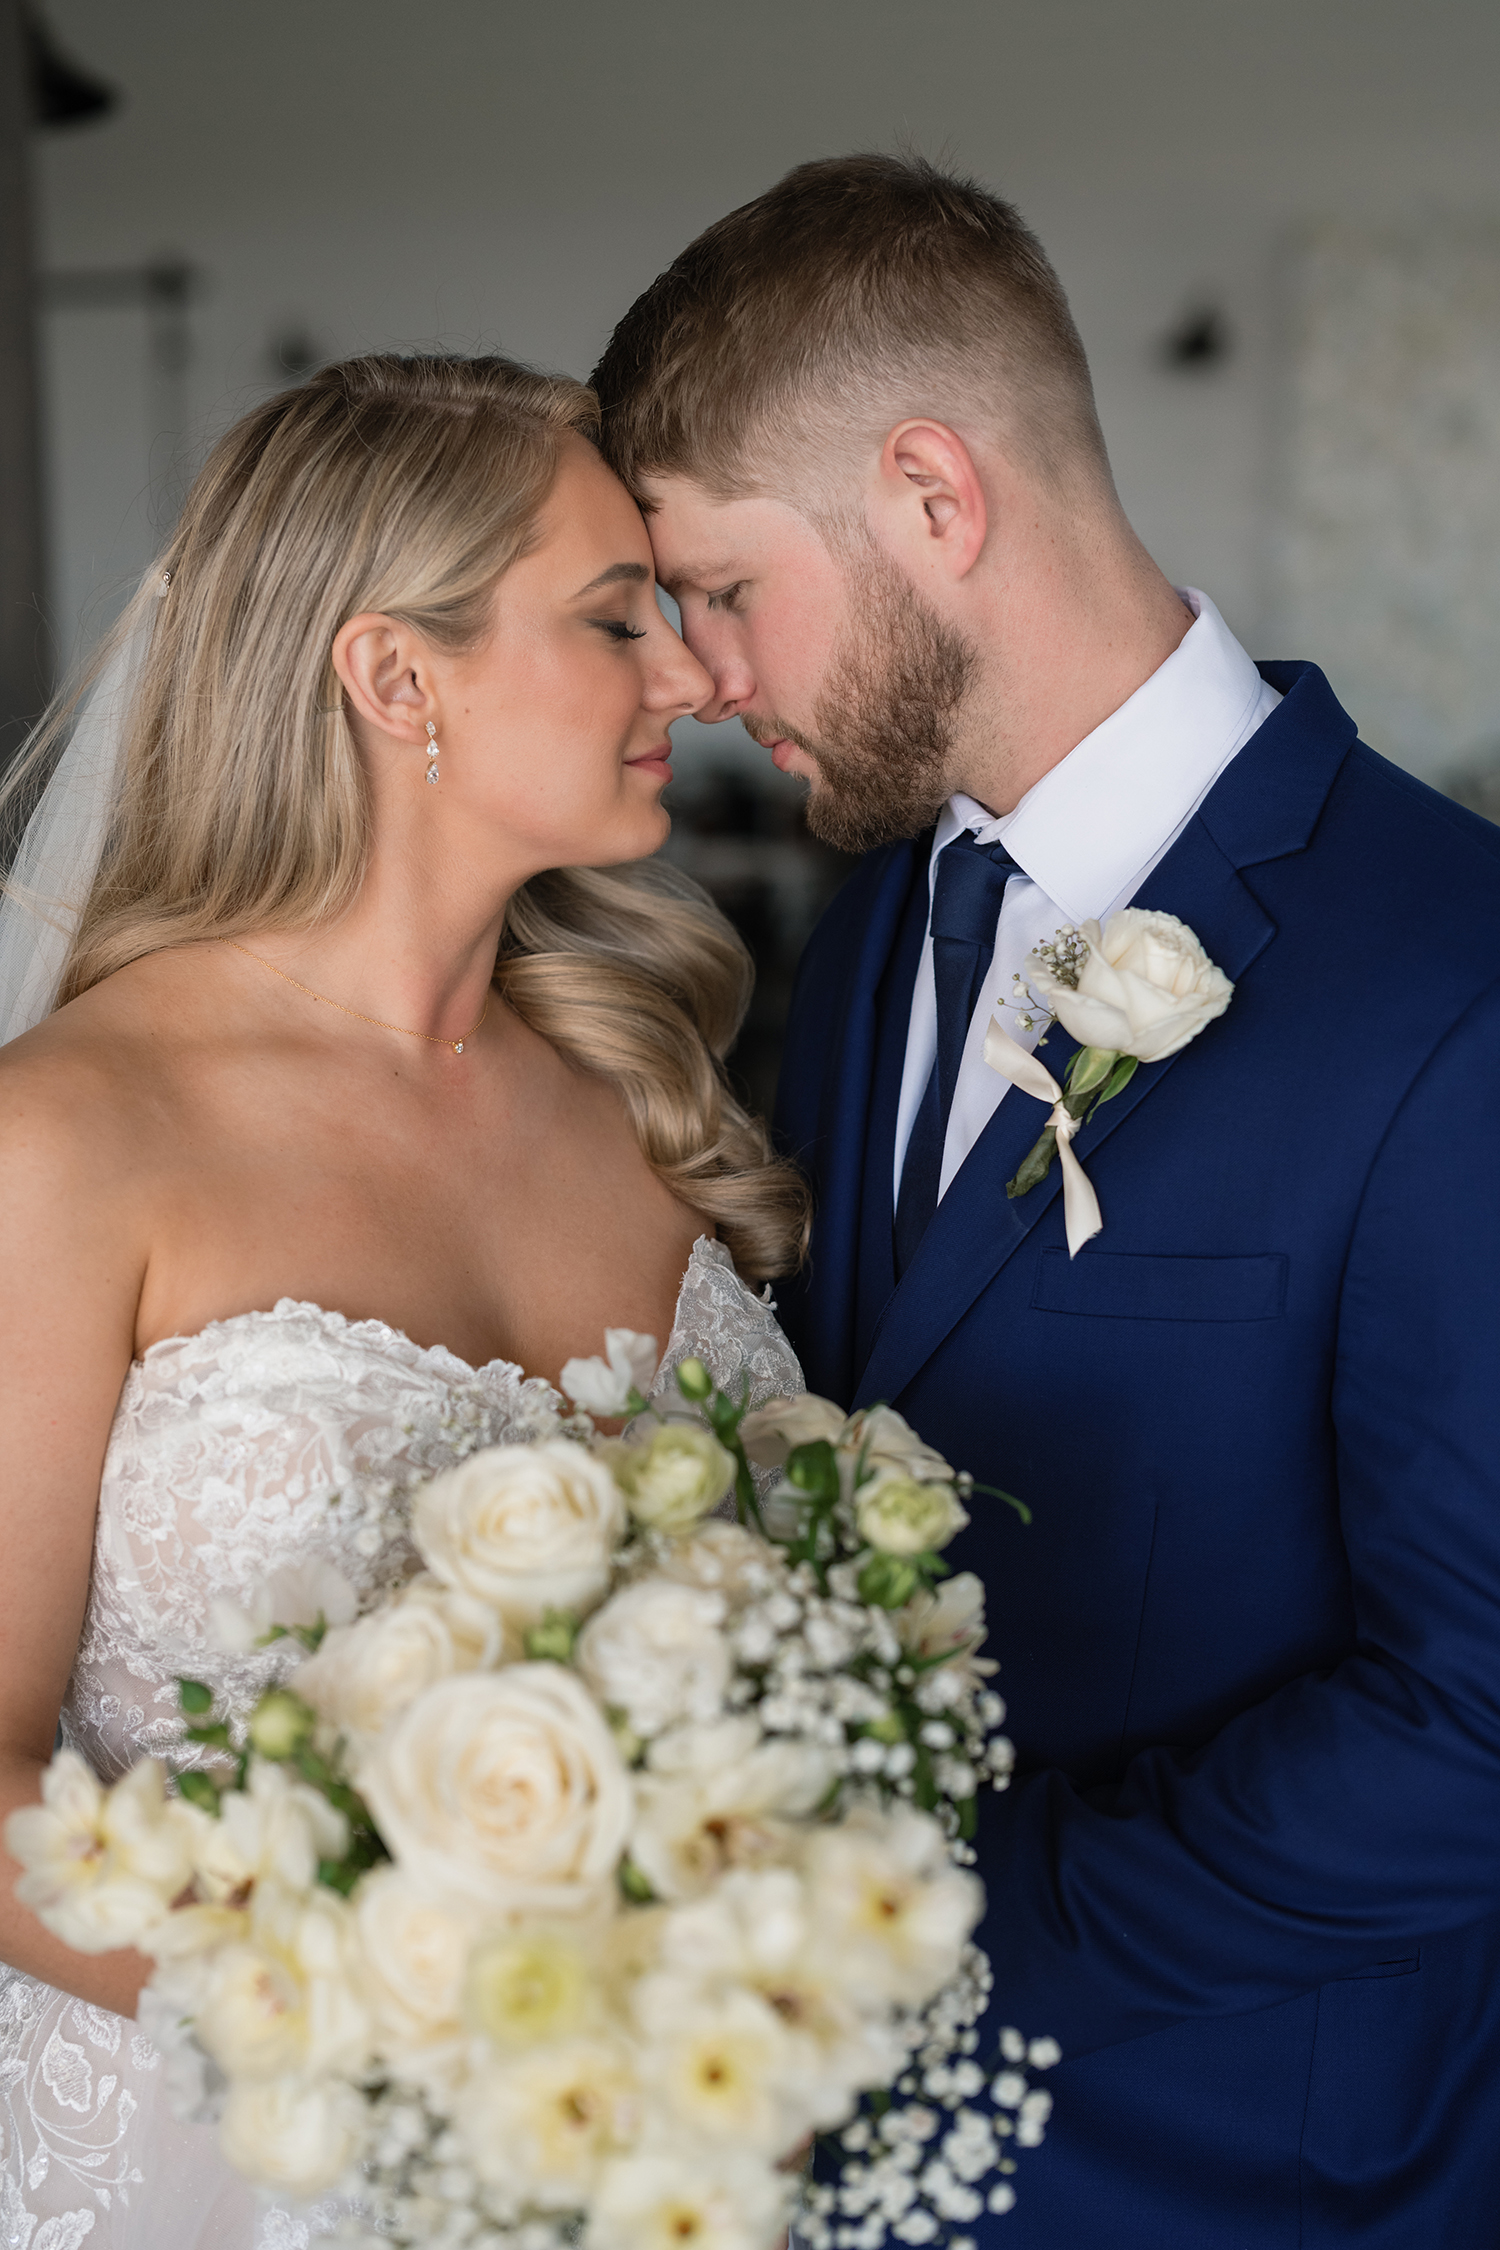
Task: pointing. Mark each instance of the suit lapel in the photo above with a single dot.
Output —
(977, 1226)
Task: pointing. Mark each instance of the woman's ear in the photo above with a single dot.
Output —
(385, 673)
(932, 498)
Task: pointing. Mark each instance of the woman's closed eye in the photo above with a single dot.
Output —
(617, 630)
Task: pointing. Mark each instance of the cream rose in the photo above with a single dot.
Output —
(769, 1433)
(294, 2137)
(364, 1676)
(1145, 988)
(657, 1652)
(900, 1516)
(526, 1528)
(414, 1952)
(675, 1477)
(504, 1789)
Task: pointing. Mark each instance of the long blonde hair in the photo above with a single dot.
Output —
(407, 486)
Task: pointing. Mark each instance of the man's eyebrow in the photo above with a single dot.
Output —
(618, 574)
(700, 576)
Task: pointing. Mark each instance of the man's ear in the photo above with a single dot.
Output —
(930, 500)
(386, 675)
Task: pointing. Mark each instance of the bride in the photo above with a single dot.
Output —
(365, 1063)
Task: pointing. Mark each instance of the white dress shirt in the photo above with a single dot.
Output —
(1087, 836)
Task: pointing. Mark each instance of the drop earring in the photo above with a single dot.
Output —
(432, 751)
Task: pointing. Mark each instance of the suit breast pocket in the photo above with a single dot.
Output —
(1111, 1285)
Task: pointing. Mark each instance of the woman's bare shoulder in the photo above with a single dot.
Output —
(82, 1096)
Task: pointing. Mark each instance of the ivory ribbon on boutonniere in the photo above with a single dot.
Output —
(1133, 992)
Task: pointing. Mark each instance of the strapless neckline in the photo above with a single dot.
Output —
(440, 1358)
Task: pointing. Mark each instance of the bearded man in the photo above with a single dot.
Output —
(1249, 1871)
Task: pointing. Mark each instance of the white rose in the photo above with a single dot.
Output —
(768, 1433)
(884, 1893)
(1145, 988)
(678, 1475)
(526, 1528)
(722, 1796)
(365, 1675)
(725, 1558)
(102, 1866)
(666, 2194)
(889, 1442)
(542, 2125)
(657, 1652)
(294, 2137)
(504, 1788)
(603, 1386)
(899, 1516)
(413, 1954)
(276, 1827)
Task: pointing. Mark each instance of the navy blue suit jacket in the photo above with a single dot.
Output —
(1249, 1873)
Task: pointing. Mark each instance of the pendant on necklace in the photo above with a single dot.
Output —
(458, 1046)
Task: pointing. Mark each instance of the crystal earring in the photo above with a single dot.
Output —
(432, 751)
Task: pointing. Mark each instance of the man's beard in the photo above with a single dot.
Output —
(886, 714)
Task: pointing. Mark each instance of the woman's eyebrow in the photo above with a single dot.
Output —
(621, 573)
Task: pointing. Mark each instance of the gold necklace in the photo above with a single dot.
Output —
(379, 1022)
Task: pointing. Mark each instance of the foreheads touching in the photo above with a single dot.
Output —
(821, 405)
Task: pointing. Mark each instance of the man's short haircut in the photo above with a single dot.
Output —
(795, 332)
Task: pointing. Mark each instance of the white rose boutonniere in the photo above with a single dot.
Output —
(1135, 991)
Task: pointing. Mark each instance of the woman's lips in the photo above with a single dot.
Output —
(655, 762)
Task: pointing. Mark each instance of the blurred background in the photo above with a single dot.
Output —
(1278, 222)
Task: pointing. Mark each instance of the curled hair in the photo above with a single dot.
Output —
(408, 486)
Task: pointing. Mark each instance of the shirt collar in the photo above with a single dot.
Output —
(1104, 812)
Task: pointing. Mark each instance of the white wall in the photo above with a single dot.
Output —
(481, 173)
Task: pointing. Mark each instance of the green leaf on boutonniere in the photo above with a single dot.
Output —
(1090, 1067)
(1119, 1078)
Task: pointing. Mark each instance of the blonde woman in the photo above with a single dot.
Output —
(375, 1063)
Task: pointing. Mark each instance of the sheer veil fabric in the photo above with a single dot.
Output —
(58, 858)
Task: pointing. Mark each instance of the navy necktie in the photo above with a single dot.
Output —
(967, 891)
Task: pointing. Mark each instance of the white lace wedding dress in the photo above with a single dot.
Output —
(226, 1450)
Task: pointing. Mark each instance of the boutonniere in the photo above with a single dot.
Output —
(1131, 993)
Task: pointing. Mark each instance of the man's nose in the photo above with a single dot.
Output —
(733, 686)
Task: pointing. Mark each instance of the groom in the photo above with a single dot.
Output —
(1249, 1871)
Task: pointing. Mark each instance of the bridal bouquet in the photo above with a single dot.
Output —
(566, 1894)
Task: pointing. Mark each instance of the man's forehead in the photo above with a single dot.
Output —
(701, 541)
